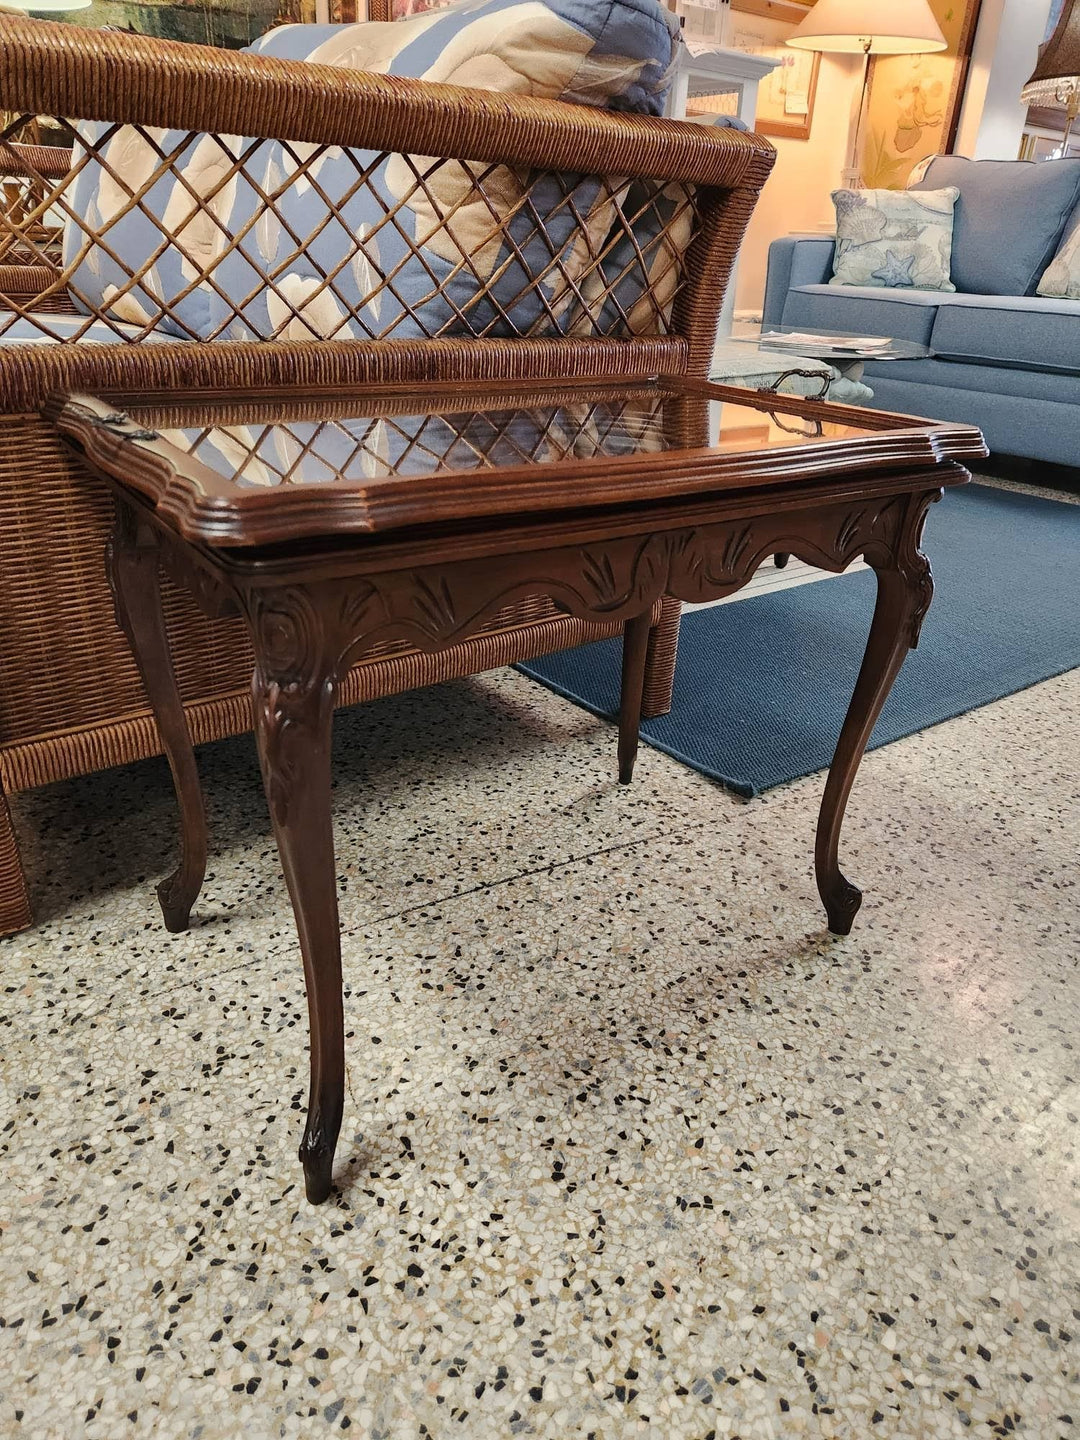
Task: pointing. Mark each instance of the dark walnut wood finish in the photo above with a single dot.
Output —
(336, 522)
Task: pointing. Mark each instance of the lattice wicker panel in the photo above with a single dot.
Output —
(178, 235)
(31, 235)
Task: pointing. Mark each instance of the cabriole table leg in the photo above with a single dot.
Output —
(905, 588)
(293, 692)
(135, 576)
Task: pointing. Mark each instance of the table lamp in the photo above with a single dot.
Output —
(1055, 81)
(868, 27)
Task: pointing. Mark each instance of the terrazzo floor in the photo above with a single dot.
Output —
(631, 1146)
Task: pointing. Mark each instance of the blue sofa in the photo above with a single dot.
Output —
(1004, 358)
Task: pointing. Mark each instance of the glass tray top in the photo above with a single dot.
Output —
(352, 444)
(281, 467)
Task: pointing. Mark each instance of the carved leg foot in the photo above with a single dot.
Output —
(904, 594)
(136, 584)
(318, 1168)
(635, 647)
(842, 902)
(293, 697)
(780, 559)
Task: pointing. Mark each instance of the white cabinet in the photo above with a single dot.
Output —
(715, 72)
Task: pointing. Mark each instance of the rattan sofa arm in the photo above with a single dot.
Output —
(83, 74)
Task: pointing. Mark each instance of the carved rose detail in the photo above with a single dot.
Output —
(301, 637)
(282, 642)
(288, 632)
(300, 633)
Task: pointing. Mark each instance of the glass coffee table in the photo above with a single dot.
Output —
(847, 353)
(334, 521)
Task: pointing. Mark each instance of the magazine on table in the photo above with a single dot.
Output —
(842, 344)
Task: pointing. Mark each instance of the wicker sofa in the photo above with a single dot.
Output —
(71, 701)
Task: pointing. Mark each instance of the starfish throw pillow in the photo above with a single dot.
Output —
(894, 239)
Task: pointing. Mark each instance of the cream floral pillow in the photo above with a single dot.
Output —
(1061, 277)
(894, 239)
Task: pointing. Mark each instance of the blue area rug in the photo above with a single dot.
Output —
(762, 686)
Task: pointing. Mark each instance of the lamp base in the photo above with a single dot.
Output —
(1072, 114)
(851, 178)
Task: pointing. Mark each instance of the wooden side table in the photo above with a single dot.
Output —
(333, 522)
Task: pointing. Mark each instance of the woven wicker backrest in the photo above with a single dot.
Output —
(126, 218)
(207, 237)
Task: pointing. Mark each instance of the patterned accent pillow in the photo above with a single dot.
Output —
(1061, 279)
(918, 172)
(894, 239)
(442, 253)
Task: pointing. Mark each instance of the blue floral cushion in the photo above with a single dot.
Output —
(354, 244)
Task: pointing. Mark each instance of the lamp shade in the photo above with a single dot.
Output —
(1056, 78)
(870, 27)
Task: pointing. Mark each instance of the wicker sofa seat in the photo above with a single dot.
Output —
(371, 228)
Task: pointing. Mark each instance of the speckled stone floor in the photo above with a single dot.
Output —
(631, 1146)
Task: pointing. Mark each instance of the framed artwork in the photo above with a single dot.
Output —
(1044, 142)
(914, 100)
(785, 99)
(786, 96)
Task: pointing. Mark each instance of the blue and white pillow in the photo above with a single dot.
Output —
(1061, 279)
(324, 222)
(894, 239)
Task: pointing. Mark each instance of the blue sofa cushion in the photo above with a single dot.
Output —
(1013, 425)
(864, 310)
(1008, 221)
(1015, 332)
(983, 379)
(340, 268)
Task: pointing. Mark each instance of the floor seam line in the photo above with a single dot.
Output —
(547, 869)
